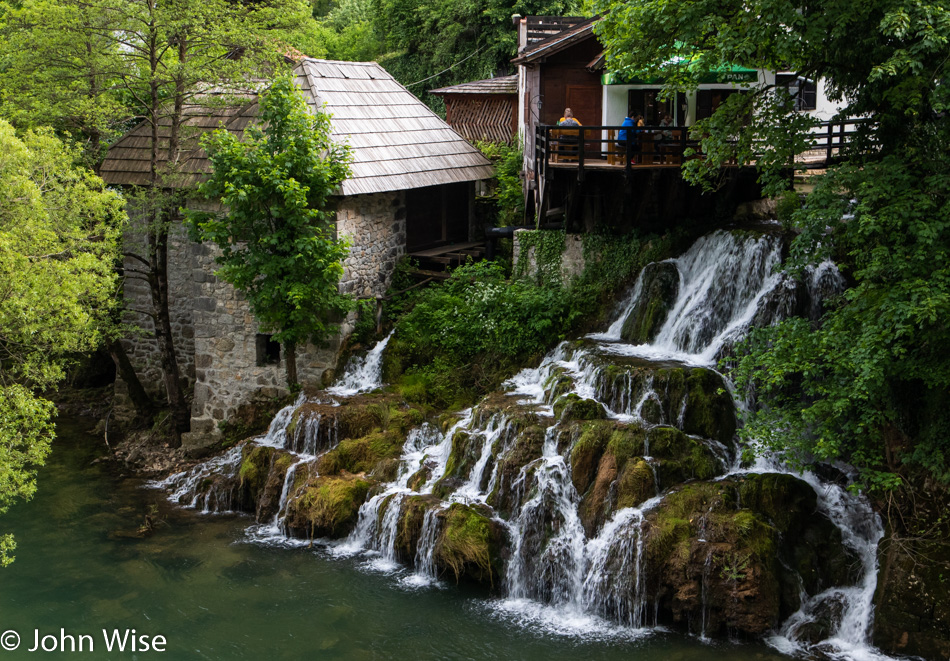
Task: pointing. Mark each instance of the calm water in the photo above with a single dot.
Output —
(214, 596)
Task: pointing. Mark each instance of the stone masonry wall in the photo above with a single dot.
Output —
(376, 227)
(572, 259)
(141, 346)
(216, 334)
(226, 361)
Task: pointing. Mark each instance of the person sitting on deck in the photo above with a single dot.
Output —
(567, 140)
(622, 136)
(568, 119)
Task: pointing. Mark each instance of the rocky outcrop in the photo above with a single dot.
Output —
(723, 557)
(912, 604)
(659, 284)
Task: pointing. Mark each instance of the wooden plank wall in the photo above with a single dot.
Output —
(490, 117)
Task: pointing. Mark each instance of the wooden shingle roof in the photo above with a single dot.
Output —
(397, 142)
(557, 42)
(128, 160)
(500, 85)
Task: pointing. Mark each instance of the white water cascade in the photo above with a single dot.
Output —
(362, 374)
(564, 572)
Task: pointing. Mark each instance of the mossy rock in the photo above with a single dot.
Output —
(604, 471)
(592, 439)
(557, 384)
(812, 545)
(327, 506)
(659, 289)
(355, 417)
(361, 455)
(710, 411)
(409, 527)
(419, 478)
(526, 448)
(736, 540)
(710, 563)
(470, 544)
(462, 458)
(681, 457)
(261, 479)
(635, 484)
(912, 604)
(572, 407)
(596, 506)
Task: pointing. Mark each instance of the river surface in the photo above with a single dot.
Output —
(212, 595)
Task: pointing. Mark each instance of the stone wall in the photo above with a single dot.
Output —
(376, 227)
(572, 259)
(216, 335)
(228, 371)
(141, 345)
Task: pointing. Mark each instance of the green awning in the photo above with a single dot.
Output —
(721, 75)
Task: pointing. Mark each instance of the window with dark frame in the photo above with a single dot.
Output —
(804, 92)
(268, 350)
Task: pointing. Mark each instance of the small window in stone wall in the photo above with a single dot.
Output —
(268, 350)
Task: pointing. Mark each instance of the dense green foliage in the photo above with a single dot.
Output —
(868, 384)
(458, 339)
(508, 191)
(430, 43)
(277, 239)
(58, 235)
(871, 383)
(93, 68)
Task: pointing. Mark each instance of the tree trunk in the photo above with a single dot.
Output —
(290, 359)
(143, 404)
(158, 286)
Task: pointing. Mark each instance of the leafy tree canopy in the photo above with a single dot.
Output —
(276, 234)
(58, 234)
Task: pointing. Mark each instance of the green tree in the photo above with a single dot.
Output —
(92, 65)
(60, 69)
(59, 230)
(869, 383)
(276, 235)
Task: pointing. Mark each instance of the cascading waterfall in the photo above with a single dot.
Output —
(726, 282)
(362, 374)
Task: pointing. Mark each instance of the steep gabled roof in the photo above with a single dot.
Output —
(557, 42)
(398, 143)
(500, 85)
(128, 161)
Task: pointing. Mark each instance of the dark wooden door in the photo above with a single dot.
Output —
(585, 101)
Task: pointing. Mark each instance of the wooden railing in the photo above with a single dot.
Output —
(600, 146)
(584, 147)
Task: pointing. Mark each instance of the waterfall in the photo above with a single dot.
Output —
(509, 456)
(362, 374)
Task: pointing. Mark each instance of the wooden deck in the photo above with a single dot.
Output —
(449, 255)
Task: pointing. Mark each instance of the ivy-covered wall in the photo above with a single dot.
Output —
(548, 256)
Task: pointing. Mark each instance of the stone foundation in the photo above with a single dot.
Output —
(572, 259)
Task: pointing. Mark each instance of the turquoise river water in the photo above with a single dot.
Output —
(198, 582)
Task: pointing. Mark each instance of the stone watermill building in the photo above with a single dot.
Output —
(412, 188)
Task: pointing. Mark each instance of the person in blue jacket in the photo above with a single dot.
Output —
(628, 121)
